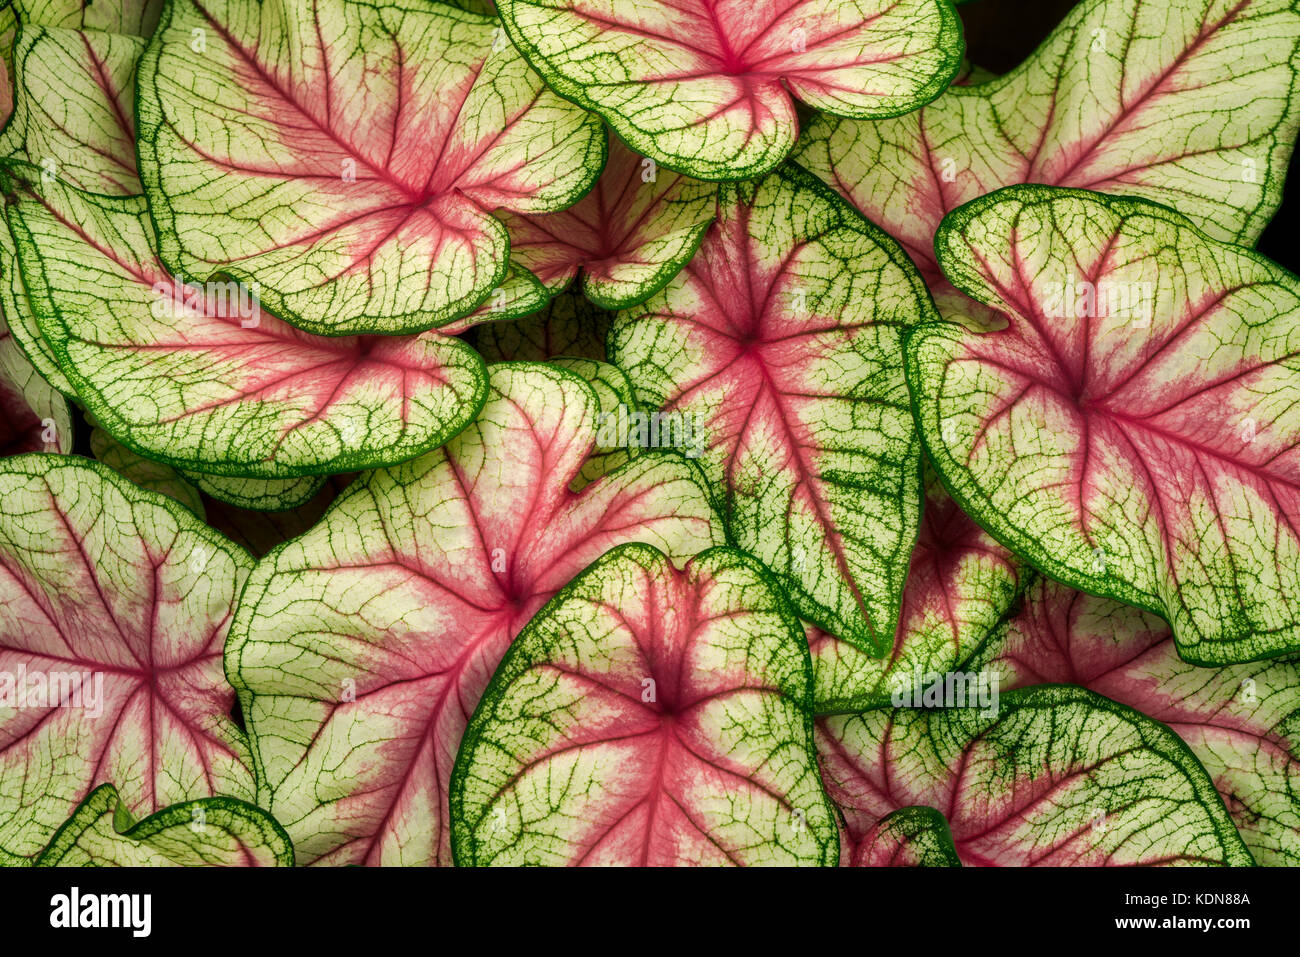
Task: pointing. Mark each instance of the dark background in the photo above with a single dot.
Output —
(1001, 33)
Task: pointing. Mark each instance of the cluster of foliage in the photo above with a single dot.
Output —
(646, 432)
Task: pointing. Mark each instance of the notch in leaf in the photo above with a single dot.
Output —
(1050, 776)
(706, 88)
(349, 156)
(780, 346)
(209, 832)
(648, 717)
(361, 648)
(1134, 429)
(114, 607)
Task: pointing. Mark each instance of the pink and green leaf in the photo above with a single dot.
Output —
(781, 343)
(360, 649)
(34, 416)
(230, 390)
(208, 832)
(1191, 103)
(614, 397)
(350, 158)
(1147, 450)
(1242, 722)
(628, 237)
(74, 113)
(114, 604)
(961, 584)
(915, 836)
(648, 717)
(708, 88)
(1049, 776)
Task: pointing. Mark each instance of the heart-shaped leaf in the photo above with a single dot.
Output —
(114, 606)
(648, 717)
(1241, 722)
(201, 377)
(209, 832)
(1191, 103)
(780, 345)
(1048, 776)
(361, 648)
(706, 88)
(1134, 429)
(908, 837)
(629, 236)
(960, 586)
(349, 157)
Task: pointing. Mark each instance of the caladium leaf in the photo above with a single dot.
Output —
(361, 648)
(74, 112)
(134, 17)
(629, 236)
(1134, 429)
(520, 294)
(1192, 103)
(1049, 776)
(915, 836)
(146, 473)
(16, 307)
(960, 586)
(114, 606)
(796, 386)
(208, 832)
(648, 717)
(265, 495)
(706, 88)
(568, 326)
(1241, 722)
(615, 399)
(230, 389)
(350, 157)
(260, 531)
